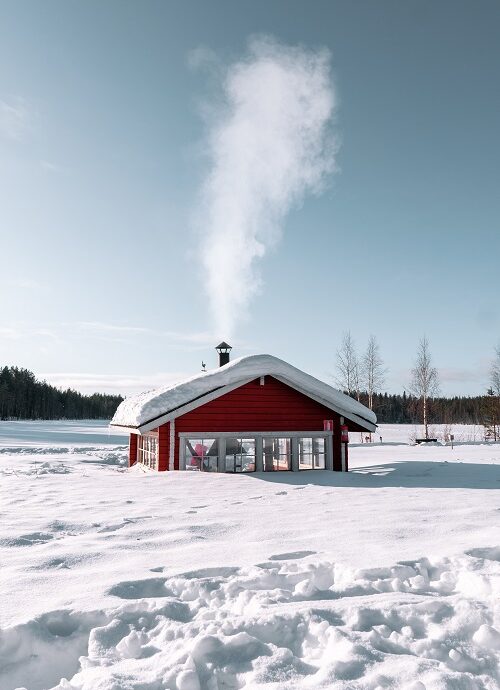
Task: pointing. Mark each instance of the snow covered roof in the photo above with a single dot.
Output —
(138, 411)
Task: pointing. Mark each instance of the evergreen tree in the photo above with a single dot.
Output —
(23, 397)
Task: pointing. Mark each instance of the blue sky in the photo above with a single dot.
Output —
(103, 154)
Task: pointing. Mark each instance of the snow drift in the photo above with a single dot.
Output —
(384, 578)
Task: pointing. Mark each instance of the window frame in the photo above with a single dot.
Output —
(258, 436)
(223, 454)
(312, 453)
(201, 439)
(147, 450)
(276, 460)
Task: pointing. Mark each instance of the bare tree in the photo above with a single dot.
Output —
(425, 380)
(492, 400)
(495, 372)
(372, 370)
(348, 366)
(491, 415)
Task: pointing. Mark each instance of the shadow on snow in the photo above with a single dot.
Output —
(417, 473)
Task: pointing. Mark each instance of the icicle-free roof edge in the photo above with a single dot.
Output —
(138, 410)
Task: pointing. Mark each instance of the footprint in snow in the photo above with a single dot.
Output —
(291, 556)
(57, 563)
(112, 528)
(281, 493)
(27, 539)
(224, 572)
(488, 553)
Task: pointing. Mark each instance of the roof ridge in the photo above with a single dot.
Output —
(138, 409)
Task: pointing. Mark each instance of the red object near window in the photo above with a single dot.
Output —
(200, 450)
(344, 433)
(328, 425)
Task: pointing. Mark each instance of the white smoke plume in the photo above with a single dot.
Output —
(270, 144)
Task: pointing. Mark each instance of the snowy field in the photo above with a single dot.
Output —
(113, 579)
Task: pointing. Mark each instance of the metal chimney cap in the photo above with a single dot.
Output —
(223, 346)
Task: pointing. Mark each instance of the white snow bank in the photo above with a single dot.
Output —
(384, 578)
(144, 407)
(291, 624)
(96, 455)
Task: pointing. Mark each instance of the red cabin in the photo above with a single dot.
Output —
(254, 414)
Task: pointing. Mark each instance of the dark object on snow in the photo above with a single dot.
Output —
(425, 440)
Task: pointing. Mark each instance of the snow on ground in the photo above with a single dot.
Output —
(115, 579)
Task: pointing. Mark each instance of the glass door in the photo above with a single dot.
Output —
(277, 454)
(201, 454)
(240, 455)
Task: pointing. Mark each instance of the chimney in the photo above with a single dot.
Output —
(223, 349)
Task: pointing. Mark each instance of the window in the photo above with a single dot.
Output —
(147, 450)
(201, 454)
(240, 455)
(276, 454)
(312, 453)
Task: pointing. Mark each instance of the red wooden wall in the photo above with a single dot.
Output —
(132, 450)
(163, 446)
(252, 407)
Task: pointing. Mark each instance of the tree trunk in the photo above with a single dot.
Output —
(426, 426)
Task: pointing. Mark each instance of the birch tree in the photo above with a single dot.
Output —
(495, 372)
(425, 380)
(373, 371)
(492, 400)
(348, 366)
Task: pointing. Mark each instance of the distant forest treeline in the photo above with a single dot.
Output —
(394, 408)
(22, 396)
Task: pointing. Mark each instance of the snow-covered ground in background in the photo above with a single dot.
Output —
(113, 579)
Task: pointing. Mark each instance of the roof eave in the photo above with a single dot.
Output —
(365, 423)
(215, 393)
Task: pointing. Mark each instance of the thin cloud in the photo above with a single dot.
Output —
(99, 326)
(20, 331)
(475, 375)
(203, 338)
(47, 333)
(120, 384)
(52, 167)
(452, 379)
(27, 284)
(15, 118)
(10, 333)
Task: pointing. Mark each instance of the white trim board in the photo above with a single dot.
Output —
(171, 456)
(251, 434)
